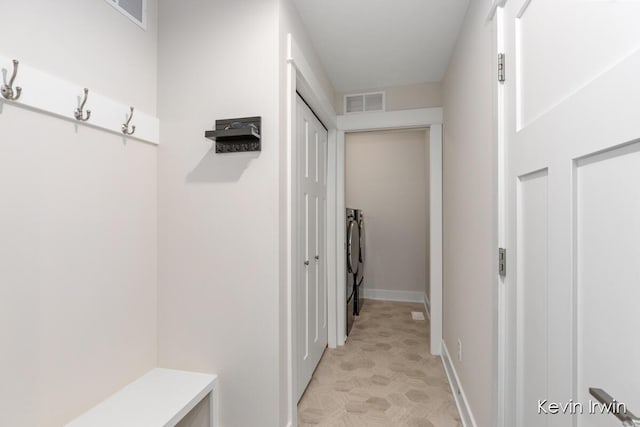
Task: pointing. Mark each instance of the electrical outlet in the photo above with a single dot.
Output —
(459, 350)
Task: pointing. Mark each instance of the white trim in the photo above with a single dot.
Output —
(494, 6)
(341, 236)
(392, 295)
(456, 388)
(427, 306)
(420, 117)
(435, 236)
(142, 24)
(331, 242)
(501, 385)
(45, 93)
(292, 239)
(309, 85)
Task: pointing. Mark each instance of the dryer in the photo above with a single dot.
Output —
(359, 279)
(352, 264)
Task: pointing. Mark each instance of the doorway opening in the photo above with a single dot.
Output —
(429, 122)
(301, 80)
(387, 194)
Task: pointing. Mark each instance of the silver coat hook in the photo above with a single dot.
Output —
(7, 89)
(79, 113)
(125, 127)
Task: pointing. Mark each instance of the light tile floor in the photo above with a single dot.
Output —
(383, 376)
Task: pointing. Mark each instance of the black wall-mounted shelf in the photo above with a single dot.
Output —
(237, 135)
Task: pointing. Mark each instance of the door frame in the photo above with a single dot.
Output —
(500, 340)
(301, 79)
(405, 119)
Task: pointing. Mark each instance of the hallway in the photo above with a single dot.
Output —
(383, 376)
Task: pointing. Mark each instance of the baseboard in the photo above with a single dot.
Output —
(427, 306)
(387, 295)
(456, 388)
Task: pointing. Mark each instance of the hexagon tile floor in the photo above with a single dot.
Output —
(383, 376)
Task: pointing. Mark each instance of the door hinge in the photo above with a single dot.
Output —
(501, 65)
(502, 262)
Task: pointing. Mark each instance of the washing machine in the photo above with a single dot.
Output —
(359, 278)
(352, 264)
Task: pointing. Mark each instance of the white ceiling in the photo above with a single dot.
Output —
(370, 44)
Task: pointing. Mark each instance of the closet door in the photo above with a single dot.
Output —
(311, 286)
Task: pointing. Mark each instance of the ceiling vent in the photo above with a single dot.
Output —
(364, 102)
(135, 10)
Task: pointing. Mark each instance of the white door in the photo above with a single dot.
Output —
(311, 286)
(572, 136)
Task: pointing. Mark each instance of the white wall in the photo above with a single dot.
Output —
(387, 177)
(88, 43)
(470, 208)
(222, 274)
(80, 222)
(421, 95)
(219, 214)
(77, 219)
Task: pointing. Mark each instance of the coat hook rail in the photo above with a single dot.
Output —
(65, 100)
(8, 91)
(125, 126)
(79, 113)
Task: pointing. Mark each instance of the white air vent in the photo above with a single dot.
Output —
(136, 10)
(364, 102)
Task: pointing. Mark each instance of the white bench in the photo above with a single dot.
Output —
(160, 398)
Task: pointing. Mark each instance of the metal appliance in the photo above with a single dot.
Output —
(359, 280)
(353, 263)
